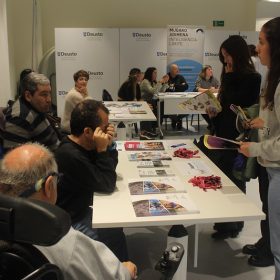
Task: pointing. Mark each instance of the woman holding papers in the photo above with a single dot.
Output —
(240, 85)
(268, 124)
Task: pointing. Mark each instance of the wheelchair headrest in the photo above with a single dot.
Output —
(32, 221)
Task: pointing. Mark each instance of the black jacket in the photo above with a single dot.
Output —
(84, 172)
(180, 84)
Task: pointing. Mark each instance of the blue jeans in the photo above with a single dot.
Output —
(85, 227)
(274, 216)
(113, 238)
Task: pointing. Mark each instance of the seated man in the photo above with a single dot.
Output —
(31, 171)
(177, 83)
(88, 159)
(26, 119)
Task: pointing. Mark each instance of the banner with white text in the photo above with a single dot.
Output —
(185, 47)
(142, 48)
(95, 50)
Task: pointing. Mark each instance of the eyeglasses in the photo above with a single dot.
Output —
(40, 184)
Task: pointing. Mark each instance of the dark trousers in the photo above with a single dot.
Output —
(264, 242)
(224, 159)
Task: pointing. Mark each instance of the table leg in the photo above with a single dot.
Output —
(158, 119)
(196, 231)
(178, 233)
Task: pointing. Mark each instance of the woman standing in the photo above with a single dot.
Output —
(73, 97)
(240, 85)
(267, 150)
(149, 87)
(206, 80)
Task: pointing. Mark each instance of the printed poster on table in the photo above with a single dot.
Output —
(155, 185)
(163, 205)
(185, 47)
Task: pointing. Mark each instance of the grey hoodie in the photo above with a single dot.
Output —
(268, 148)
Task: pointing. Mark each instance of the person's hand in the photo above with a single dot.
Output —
(82, 89)
(110, 132)
(228, 67)
(211, 111)
(131, 267)
(101, 140)
(244, 148)
(256, 123)
(164, 79)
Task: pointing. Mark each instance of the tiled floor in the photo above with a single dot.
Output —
(216, 259)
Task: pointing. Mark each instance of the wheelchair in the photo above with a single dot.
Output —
(26, 222)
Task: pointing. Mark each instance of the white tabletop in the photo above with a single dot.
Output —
(226, 204)
(126, 111)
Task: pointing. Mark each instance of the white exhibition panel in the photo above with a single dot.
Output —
(95, 50)
(109, 53)
(142, 48)
(213, 41)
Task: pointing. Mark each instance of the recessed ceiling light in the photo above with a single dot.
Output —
(272, 0)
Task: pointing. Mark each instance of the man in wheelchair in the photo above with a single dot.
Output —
(30, 171)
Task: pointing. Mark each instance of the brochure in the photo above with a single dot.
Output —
(142, 146)
(149, 155)
(200, 102)
(163, 205)
(152, 163)
(158, 185)
(155, 172)
(214, 142)
(136, 111)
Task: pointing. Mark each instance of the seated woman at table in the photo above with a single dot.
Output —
(130, 89)
(206, 80)
(77, 94)
(149, 87)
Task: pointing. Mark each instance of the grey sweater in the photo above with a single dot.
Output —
(268, 148)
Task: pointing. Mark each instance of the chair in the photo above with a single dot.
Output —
(106, 96)
(24, 223)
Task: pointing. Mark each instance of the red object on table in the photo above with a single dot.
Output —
(206, 182)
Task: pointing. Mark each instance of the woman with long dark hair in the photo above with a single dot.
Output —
(240, 85)
(267, 150)
(149, 87)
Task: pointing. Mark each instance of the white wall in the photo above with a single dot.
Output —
(265, 11)
(237, 14)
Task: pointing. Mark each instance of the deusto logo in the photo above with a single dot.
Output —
(162, 54)
(62, 92)
(93, 35)
(142, 36)
(67, 54)
(95, 75)
(211, 54)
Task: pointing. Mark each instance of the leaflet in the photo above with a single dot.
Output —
(163, 205)
(155, 185)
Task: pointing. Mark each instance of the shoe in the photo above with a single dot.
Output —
(250, 249)
(219, 235)
(144, 136)
(260, 261)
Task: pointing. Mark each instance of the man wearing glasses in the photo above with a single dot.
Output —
(30, 171)
(88, 159)
(27, 119)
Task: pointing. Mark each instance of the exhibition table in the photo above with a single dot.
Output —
(223, 205)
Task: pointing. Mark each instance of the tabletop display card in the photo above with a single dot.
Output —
(155, 172)
(143, 146)
(152, 164)
(149, 155)
(193, 167)
(155, 186)
(163, 205)
(201, 101)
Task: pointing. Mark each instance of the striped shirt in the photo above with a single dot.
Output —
(24, 124)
